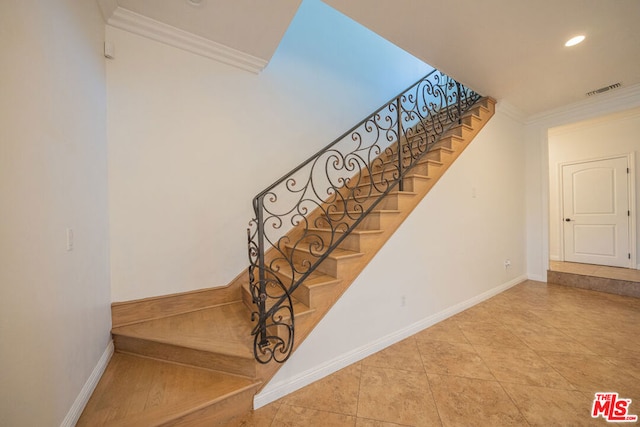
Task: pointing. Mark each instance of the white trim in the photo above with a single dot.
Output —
(127, 20)
(632, 206)
(81, 401)
(620, 99)
(554, 257)
(560, 197)
(305, 378)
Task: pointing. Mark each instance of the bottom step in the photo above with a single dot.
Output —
(137, 391)
(626, 288)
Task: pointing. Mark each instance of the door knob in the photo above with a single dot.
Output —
(568, 219)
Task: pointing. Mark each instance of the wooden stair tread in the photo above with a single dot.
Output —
(381, 211)
(224, 329)
(337, 253)
(356, 231)
(315, 278)
(136, 391)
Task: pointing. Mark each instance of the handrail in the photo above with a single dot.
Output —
(314, 207)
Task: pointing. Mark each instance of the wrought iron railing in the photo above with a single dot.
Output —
(316, 205)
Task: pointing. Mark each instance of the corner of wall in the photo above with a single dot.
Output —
(76, 409)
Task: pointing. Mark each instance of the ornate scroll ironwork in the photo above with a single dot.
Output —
(309, 211)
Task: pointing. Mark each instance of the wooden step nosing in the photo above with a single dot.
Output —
(332, 254)
(355, 231)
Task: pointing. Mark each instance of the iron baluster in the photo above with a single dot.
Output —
(262, 280)
(458, 103)
(399, 139)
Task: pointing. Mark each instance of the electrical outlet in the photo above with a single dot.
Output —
(403, 301)
(507, 263)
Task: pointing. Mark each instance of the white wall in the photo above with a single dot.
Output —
(192, 141)
(54, 304)
(537, 165)
(606, 136)
(448, 254)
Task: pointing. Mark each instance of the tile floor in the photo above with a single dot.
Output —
(531, 356)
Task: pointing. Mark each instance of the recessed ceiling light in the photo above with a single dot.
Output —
(574, 41)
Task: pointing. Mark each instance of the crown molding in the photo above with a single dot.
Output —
(620, 99)
(135, 23)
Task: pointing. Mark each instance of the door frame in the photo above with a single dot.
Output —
(631, 177)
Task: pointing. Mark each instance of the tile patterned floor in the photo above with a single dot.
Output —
(531, 356)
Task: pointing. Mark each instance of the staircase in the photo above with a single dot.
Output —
(189, 359)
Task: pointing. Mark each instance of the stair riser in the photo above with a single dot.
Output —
(375, 220)
(312, 297)
(453, 143)
(330, 266)
(353, 242)
(390, 202)
(417, 184)
(173, 353)
(426, 168)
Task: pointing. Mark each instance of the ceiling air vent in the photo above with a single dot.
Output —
(604, 89)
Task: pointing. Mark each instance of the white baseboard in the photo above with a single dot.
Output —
(81, 401)
(305, 378)
(554, 257)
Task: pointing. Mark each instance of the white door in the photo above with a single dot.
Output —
(595, 219)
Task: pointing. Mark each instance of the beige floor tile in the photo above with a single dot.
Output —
(545, 338)
(396, 396)
(335, 393)
(561, 318)
(402, 355)
(261, 417)
(606, 342)
(516, 318)
(478, 313)
(547, 406)
(295, 416)
(364, 422)
(447, 358)
(594, 374)
(521, 366)
(481, 333)
(469, 402)
(447, 330)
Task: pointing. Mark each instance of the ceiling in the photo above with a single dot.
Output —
(512, 50)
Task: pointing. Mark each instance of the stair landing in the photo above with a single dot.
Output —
(138, 391)
(612, 280)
